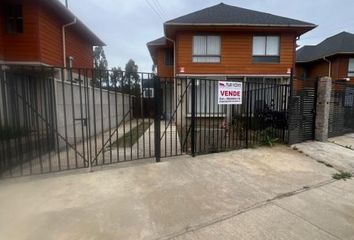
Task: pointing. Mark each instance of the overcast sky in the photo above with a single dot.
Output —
(127, 25)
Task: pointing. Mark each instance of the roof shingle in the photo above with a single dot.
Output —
(340, 43)
(223, 14)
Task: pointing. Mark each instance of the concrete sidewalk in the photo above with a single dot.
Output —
(336, 152)
(264, 193)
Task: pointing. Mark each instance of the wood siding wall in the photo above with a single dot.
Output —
(236, 55)
(79, 49)
(23, 46)
(50, 37)
(41, 40)
(162, 69)
(2, 31)
(320, 68)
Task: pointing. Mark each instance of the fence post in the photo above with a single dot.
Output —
(290, 106)
(247, 113)
(157, 120)
(193, 117)
(324, 88)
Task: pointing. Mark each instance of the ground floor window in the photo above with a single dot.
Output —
(349, 97)
(206, 97)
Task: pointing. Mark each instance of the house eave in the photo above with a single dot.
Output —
(325, 56)
(241, 25)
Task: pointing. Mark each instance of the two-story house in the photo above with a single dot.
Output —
(44, 32)
(333, 57)
(226, 42)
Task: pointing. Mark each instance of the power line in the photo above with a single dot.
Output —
(153, 9)
(159, 7)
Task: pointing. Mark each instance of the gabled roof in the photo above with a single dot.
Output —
(158, 42)
(223, 14)
(155, 44)
(80, 27)
(342, 43)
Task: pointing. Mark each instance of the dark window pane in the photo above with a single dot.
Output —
(169, 57)
(14, 18)
(266, 59)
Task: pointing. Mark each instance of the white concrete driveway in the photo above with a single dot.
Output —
(265, 193)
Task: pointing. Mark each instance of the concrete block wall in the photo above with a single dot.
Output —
(103, 110)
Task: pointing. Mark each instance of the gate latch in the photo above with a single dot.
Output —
(83, 120)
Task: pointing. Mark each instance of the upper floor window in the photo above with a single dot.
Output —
(351, 68)
(14, 18)
(206, 49)
(169, 57)
(266, 49)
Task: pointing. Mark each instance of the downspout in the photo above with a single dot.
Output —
(64, 39)
(175, 99)
(174, 55)
(329, 68)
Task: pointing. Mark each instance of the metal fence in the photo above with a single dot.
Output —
(303, 110)
(341, 114)
(55, 119)
(207, 127)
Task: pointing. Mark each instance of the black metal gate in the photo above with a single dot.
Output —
(303, 111)
(341, 114)
(204, 126)
(55, 119)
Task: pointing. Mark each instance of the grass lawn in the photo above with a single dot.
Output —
(131, 137)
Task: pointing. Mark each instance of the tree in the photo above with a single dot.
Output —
(116, 77)
(100, 64)
(131, 81)
(100, 61)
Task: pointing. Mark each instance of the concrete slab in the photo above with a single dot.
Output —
(154, 200)
(266, 223)
(345, 140)
(339, 157)
(330, 207)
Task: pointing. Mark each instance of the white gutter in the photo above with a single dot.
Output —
(64, 39)
(174, 55)
(174, 70)
(329, 67)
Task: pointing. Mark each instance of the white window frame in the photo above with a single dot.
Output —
(148, 93)
(206, 92)
(266, 38)
(207, 57)
(351, 67)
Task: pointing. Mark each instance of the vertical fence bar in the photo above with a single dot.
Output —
(94, 81)
(193, 117)
(157, 122)
(247, 113)
(88, 119)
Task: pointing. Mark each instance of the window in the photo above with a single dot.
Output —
(14, 18)
(351, 68)
(349, 97)
(206, 49)
(169, 57)
(148, 93)
(266, 48)
(206, 95)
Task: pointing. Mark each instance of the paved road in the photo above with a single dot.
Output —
(264, 193)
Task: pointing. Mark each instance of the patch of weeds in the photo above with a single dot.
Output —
(269, 137)
(131, 137)
(326, 164)
(342, 175)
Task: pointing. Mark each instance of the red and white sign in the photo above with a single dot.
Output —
(229, 93)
